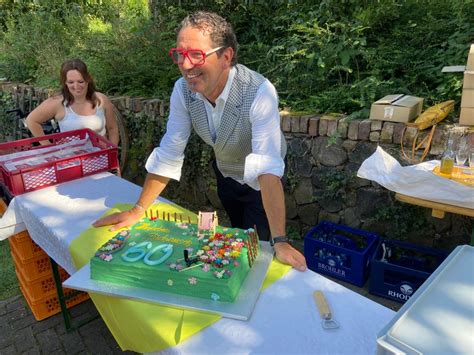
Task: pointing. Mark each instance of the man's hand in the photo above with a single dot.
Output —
(289, 255)
(120, 219)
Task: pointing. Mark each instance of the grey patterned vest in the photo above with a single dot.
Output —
(234, 138)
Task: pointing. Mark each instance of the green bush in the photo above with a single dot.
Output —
(325, 56)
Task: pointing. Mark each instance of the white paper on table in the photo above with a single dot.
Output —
(415, 180)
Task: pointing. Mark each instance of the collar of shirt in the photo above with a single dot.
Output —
(214, 113)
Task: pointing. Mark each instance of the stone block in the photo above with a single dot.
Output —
(353, 131)
(374, 136)
(364, 130)
(323, 126)
(398, 129)
(376, 125)
(285, 123)
(304, 124)
(291, 206)
(349, 145)
(342, 127)
(295, 124)
(309, 213)
(313, 126)
(328, 216)
(410, 134)
(439, 141)
(386, 136)
(304, 192)
(332, 127)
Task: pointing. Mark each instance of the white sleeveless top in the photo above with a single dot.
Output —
(72, 120)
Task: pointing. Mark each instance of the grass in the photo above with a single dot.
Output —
(8, 281)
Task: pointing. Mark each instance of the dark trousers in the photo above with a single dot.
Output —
(243, 205)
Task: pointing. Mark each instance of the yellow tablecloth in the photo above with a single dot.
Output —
(141, 326)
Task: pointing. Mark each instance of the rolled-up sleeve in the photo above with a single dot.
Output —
(268, 148)
(167, 159)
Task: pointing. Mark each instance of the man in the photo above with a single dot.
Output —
(235, 110)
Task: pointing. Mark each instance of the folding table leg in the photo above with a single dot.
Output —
(62, 302)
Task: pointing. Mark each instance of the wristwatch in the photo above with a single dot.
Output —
(279, 239)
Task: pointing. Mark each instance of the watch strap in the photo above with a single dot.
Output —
(279, 239)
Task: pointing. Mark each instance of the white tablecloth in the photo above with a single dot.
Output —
(285, 319)
(415, 180)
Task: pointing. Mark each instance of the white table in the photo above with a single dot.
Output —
(285, 319)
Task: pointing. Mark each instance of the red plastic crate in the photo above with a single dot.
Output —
(29, 178)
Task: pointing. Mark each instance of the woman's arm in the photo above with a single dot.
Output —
(110, 120)
(47, 110)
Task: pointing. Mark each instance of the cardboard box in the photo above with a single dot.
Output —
(396, 108)
(468, 82)
(466, 117)
(470, 59)
(467, 98)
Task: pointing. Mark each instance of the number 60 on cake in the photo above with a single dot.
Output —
(199, 260)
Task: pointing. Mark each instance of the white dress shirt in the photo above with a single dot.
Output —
(167, 159)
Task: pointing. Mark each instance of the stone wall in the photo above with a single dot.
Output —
(324, 154)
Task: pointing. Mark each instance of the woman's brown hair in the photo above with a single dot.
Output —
(81, 67)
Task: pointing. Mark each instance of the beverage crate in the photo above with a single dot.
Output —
(25, 166)
(42, 287)
(34, 268)
(49, 305)
(340, 251)
(25, 247)
(398, 269)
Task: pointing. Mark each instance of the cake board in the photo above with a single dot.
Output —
(240, 309)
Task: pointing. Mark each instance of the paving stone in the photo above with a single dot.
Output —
(6, 336)
(16, 314)
(16, 303)
(24, 322)
(47, 323)
(3, 308)
(48, 340)
(72, 343)
(9, 350)
(24, 339)
(96, 344)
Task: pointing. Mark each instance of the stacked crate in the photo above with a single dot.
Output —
(467, 100)
(35, 275)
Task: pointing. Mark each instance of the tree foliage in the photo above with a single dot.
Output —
(328, 55)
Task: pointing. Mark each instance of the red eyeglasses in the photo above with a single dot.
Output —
(195, 56)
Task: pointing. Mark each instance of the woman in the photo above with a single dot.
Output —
(78, 105)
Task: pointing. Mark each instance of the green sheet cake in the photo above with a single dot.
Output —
(180, 258)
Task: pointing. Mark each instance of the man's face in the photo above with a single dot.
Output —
(210, 78)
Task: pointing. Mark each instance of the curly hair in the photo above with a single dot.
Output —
(219, 30)
(81, 67)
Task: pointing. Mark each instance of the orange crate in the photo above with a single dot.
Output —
(48, 306)
(42, 287)
(32, 269)
(3, 207)
(25, 247)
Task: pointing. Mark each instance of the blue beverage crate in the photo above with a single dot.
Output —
(402, 270)
(340, 251)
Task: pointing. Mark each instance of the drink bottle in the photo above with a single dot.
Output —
(447, 160)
